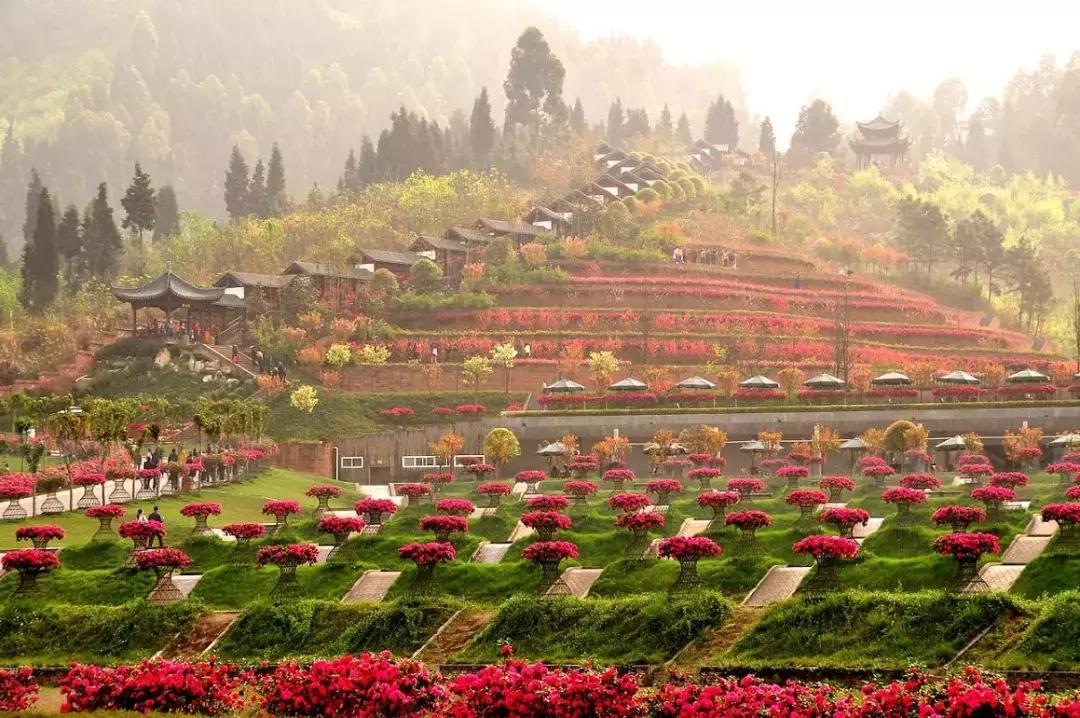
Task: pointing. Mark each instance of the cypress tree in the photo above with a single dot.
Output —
(767, 141)
(236, 185)
(682, 130)
(138, 204)
(275, 184)
(368, 166)
(40, 260)
(664, 128)
(33, 194)
(350, 177)
(578, 124)
(481, 130)
(167, 218)
(258, 201)
(69, 244)
(615, 127)
(101, 238)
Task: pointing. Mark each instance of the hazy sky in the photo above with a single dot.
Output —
(853, 53)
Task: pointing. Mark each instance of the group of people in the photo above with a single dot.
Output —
(193, 332)
(705, 256)
(261, 360)
(155, 515)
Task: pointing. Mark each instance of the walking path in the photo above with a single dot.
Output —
(575, 582)
(1024, 549)
(372, 586)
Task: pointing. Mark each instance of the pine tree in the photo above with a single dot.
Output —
(5, 261)
(33, 194)
(616, 130)
(236, 185)
(258, 200)
(138, 204)
(816, 131)
(975, 149)
(69, 244)
(349, 180)
(721, 127)
(664, 128)
(534, 84)
(40, 260)
(369, 162)
(481, 130)
(578, 124)
(276, 199)
(682, 131)
(101, 238)
(167, 218)
(767, 141)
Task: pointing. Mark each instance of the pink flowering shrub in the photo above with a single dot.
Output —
(109, 511)
(640, 523)
(494, 488)
(718, 501)
(373, 509)
(618, 477)
(18, 689)
(749, 520)
(162, 559)
(958, 516)
(201, 508)
(835, 485)
(294, 554)
(546, 523)
(688, 548)
(530, 476)
(340, 525)
(281, 510)
(244, 531)
(920, 481)
(547, 502)
(428, 554)
(323, 491)
(993, 497)
(663, 488)
(204, 687)
(746, 486)
(967, 546)
(580, 489)
(844, 519)
(835, 547)
(444, 525)
(903, 497)
(1009, 479)
(455, 507)
(627, 502)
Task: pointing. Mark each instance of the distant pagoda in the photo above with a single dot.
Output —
(880, 142)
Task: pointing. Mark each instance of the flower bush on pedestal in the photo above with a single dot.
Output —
(639, 525)
(287, 559)
(903, 498)
(548, 502)
(163, 561)
(494, 491)
(49, 481)
(976, 472)
(444, 525)
(281, 510)
(958, 517)
(373, 510)
(792, 474)
(687, 550)
(1066, 471)
(807, 500)
(1009, 479)
(836, 485)
(1073, 492)
(437, 479)
(582, 465)
(745, 488)
(141, 532)
(18, 690)
(89, 481)
(718, 501)
(30, 563)
(455, 507)
(322, 493)
(701, 458)
(877, 473)
(828, 552)
(339, 527)
(547, 555)
(39, 535)
(1067, 517)
(704, 476)
(12, 488)
(479, 471)
(993, 497)
(414, 493)
(243, 533)
(967, 548)
(201, 510)
(748, 522)
(202, 688)
(663, 488)
(105, 515)
(427, 556)
(628, 503)
(530, 477)
(921, 482)
(546, 523)
(617, 478)
(119, 474)
(845, 519)
(580, 490)
(148, 479)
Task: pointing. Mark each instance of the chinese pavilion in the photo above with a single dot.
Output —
(880, 142)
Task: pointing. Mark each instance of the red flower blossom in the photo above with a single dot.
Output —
(428, 554)
(547, 502)
(628, 502)
(30, 559)
(958, 516)
(966, 546)
(162, 558)
(369, 506)
(41, 532)
(455, 507)
(806, 498)
(112, 511)
(205, 508)
(1009, 479)
(338, 525)
(920, 481)
(323, 491)
(244, 530)
(294, 554)
(495, 488)
(819, 546)
(901, 495)
(688, 548)
(748, 520)
(642, 521)
(580, 488)
(281, 508)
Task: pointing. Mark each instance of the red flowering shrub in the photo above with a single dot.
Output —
(718, 501)
(641, 522)
(438, 477)
(204, 687)
(364, 685)
(162, 559)
(1027, 453)
(583, 464)
(323, 491)
(88, 478)
(470, 409)
(30, 559)
(412, 490)
(397, 413)
(902, 496)
(967, 546)
(835, 485)
(444, 525)
(16, 486)
(40, 535)
(748, 520)
(455, 507)
(627, 502)
(428, 554)
(745, 486)
(993, 496)
(1073, 492)
(547, 502)
(701, 458)
(530, 476)
(1067, 515)
(281, 509)
(1063, 468)
(759, 394)
(806, 498)
(442, 411)
(878, 472)
(663, 488)
(844, 519)
(792, 474)
(971, 458)
(958, 516)
(704, 474)
(688, 548)
(869, 460)
(18, 690)
(494, 488)
(148, 473)
(203, 508)
(294, 554)
(549, 551)
(141, 530)
(835, 547)
(110, 511)
(975, 471)
(479, 471)
(580, 489)
(920, 481)
(546, 523)
(1009, 479)
(244, 531)
(340, 525)
(618, 477)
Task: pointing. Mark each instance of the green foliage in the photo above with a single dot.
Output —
(625, 630)
(425, 275)
(421, 303)
(1052, 640)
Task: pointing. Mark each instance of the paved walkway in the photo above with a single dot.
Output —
(490, 552)
(778, 583)
(520, 531)
(372, 586)
(1024, 549)
(575, 582)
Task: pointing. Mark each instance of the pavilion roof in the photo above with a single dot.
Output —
(878, 123)
(167, 292)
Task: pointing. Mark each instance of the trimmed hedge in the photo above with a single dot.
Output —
(1052, 640)
(641, 629)
(329, 628)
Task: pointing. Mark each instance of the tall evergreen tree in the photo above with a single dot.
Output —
(69, 245)
(615, 122)
(167, 218)
(637, 123)
(277, 200)
(236, 185)
(368, 167)
(664, 127)
(682, 131)
(33, 195)
(534, 84)
(767, 140)
(258, 199)
(481, 130)
(138, 204)
(5, 260)
(815, 132)
(578, 124)
(721, 127)
(101, 238)
(40, 260)
(975, 148)
(349, 181)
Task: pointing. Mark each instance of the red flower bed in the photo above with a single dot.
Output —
(530, 476)
(869, 460)
(245, 531)
(792, 472)
(428, 554)
(958, 516)
(844, 518)
(30, 559)
(836, 483)
(41, 532)
(1009, 479)
(628, 502)
(836, 547)
(413, 490)
(993, 496)
(1027, 453)
(281, 508)
(320, 491)
(339, 525)
(141, 529)
(759, 394)
(580, 488)
(455, 507)
(718, 501)
(920, 481)
(749, 520)
(88, 478)
(746, 486)
(397, 413)
(444, 525)
(1065, 514)
(806, 498)
(442, 411)
(203, 508)
(967, 546)
(663, 487)
(369, 506)
(618, 475)
(900, 495)
(471, 409)
(162, 558)
(1022, 390)
(549, 551)
(1063, 468)
(438, 477)
(894, 392)
(205, 687)
(641, 521)
(547, 502)
(294, 554)
(479, 471)
(18, 690)
(16, 486)
(494, 488)
(688, 548)
(111, 511)
(546, 522)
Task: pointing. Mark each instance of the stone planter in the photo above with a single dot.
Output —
(322, 508)
(288, 585)
(14, 511)
(51, 505)
(201, 527)
(747, 542)
(104, 530)
(493, 501)
(639, 542)
(1068, 536)
(373, 519)
(825, 578)
(704, 483)
(688, 578)
(806, 515)
(335, 553)
(89, 497)
(663, 498)
(967, 578)
(616, 486)
(119, 493)
(28, 583)
(904, 515)
(165, 591)
(40, 542)
(425, 578)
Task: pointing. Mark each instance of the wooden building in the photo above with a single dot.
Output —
(519, 232)
(451, 255)
(339, 286)
(398, 263)
(880, 142)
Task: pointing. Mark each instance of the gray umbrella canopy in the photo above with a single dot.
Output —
(653, 448)
(1027, 376)
(563, 386)
(959, 377)
(697, 383)
(855, 444)
(825, 381)
(953, 443)
(759, 382)
(555, 448)
(753, 447)
(1066, 440)
(628, 384)
(892, 378)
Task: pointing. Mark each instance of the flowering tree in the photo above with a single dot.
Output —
(704, 475)
(340, 527)
(322, 493)
(617, 478)
(427, 556)
(455, 507)
(30, 563)
(39, 535)
(687, 550)
(548, 502)
(628, 503)
(373, 510)
(967, 548)
(836, 485)
(494, 491)
(1067, 516)
(845, 519)
(808, 500)
(994, 497)
(828, 552)
(547, 555)
(287, 559)
(580, 490)
(639, 525)
(1009, 479)
(663, 488)
(745, 488)
(546, 523)
(748, 522)
(958, 517)
(200, 510)
(921, 482)
(105, 516)
(163, 561)
(903, 499)
(718, 501)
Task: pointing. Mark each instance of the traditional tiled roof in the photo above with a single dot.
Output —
(387, 256)
(317, 269)
(502, 226)
(467, 234)
(441, 243)
(169, 288)
(253, 279)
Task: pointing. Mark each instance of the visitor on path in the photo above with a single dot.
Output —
(281, 372)
(155, 515)
(174, 457)
(527, 350)
(434, 355)
(140, 517)
(260, 361)
(235, 354)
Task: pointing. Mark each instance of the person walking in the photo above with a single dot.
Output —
(155, 515)
(140, 517)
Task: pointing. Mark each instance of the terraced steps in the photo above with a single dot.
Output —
(1024, 549)
(490, 552)
(778, 583)
(575, 582)
(208, 629)
(454, 635)
(371, 587)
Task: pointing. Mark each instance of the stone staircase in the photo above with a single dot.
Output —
(1024, 549)
(575, 582)
(490, 552)
(372, 586)
(204, 635)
